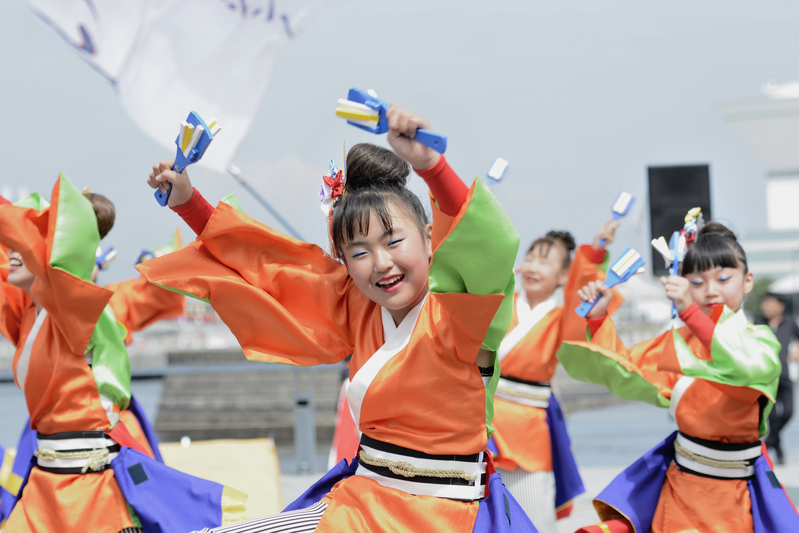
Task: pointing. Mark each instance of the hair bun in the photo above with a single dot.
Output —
(566, 238)
(373, 167)
(716, 229)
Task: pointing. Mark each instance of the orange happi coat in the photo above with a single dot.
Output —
(522, 433)
(288, 302)
(707, 410)
(60, 390)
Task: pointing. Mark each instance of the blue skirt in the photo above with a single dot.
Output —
(20, 471)
(636, 491)
(164, 499)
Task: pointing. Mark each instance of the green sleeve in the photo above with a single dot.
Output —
(477, 257)
(110, 361)
(589, 363)
(742, 355)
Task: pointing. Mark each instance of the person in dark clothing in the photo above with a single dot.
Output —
(772, 308)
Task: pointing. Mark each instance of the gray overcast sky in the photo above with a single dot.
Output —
(579, 96)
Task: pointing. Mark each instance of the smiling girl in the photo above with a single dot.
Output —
(420, 306)
(531, 446)
(717, 375)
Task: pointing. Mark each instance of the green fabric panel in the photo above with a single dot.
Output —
(477, 258)
(491, 390)
(743, 356)
(33, 201)
(76, 235)
(134, 518)
(233, 201)
(587, 365)
(110, 361)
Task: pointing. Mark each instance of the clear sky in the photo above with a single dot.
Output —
(580, 96)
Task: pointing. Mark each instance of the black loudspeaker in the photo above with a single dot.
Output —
(672, 192)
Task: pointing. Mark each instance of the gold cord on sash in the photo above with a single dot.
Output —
(97, 458)
(520, 394)
(401, 468)
(706, 460)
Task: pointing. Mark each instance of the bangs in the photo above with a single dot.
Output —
(353, 216)
(713, 251)
(544, 246)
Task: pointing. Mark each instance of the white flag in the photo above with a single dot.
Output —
(167, 58)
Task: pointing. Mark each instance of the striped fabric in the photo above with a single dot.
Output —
(132, 530)
(535, 492)
(299, 521)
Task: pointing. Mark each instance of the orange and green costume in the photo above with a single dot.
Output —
(289, 302)
(719, 392)
(525, 437)
(58, 244)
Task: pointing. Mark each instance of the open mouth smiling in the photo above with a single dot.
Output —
(390, 282)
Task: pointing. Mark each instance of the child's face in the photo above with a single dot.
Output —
(18, 273)
(719, 286)
(542, 274)
(391, 267)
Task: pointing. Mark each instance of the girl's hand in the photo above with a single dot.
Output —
(162, 175)
(402, 126)
(678, 290)
(607, 232)
(590, 293)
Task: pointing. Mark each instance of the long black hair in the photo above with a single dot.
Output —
(376, 179)
(715, 246)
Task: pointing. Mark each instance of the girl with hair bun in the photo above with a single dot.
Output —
(422, 308)
(531, 446)
(717, 375)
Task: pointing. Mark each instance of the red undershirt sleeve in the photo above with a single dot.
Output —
(700, 324)
(595, 323)
(598, 256)
(446, 187)
(196, 212)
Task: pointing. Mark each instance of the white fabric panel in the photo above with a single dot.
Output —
(535, 492)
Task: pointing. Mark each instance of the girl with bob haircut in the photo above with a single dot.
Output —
(422, 308)
(717, 375)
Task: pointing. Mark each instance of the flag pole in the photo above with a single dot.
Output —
(235, 171)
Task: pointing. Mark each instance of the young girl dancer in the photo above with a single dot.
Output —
(421, 307)
(717, 375)
(531, 447)
(134, 305)
(88, 474)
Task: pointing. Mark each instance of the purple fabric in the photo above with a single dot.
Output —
(146, 427)
(23, 463)
(500, 512)
(771, 508)
(164, 499)
(636, 491)
(492, 446)
(319, 490)
(568, 483)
